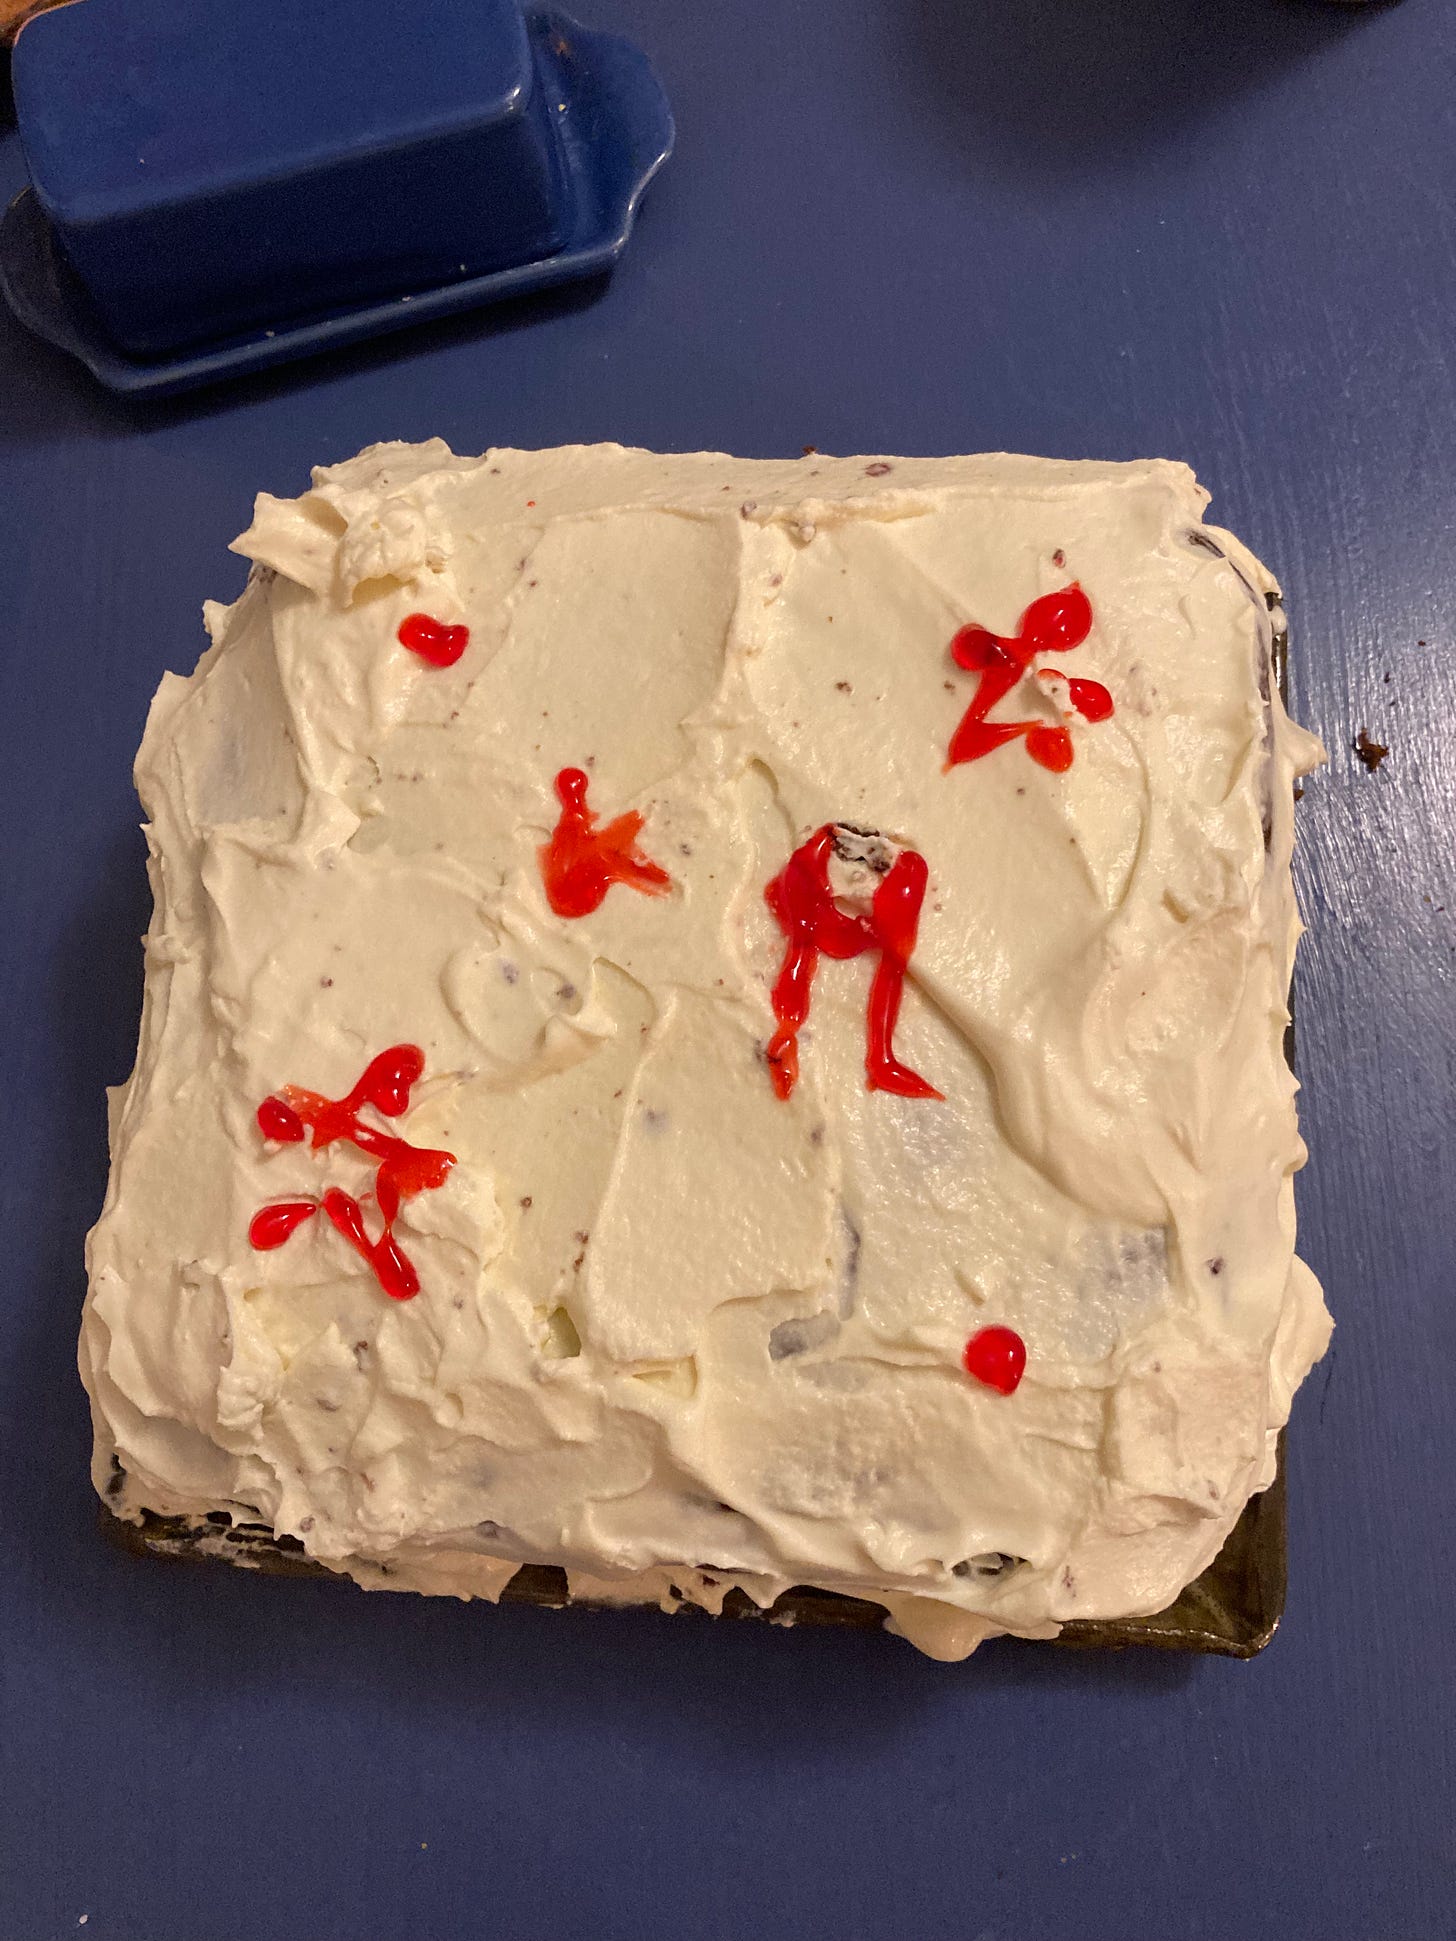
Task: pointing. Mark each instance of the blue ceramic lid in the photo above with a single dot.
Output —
(125, 105)
(206, 169)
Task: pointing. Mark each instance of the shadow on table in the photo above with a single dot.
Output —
(92, 1001)
(1062, 86)
(201, 1638)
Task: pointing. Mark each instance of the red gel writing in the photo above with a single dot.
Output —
(1054, 624)
(385, 1083)
(403, 1170)
(272, 1226)
(997, 1357)
(279, 1121)
(392, 1269)
(895, 915)
(813, 923)
(1090, 698)
(581, 862)
(432, 640)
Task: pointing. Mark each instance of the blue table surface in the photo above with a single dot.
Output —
(1222, 230)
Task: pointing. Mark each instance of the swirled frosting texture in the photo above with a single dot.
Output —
(675, 1334)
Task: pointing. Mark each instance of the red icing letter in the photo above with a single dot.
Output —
(1054, 624)
(801, 899)
(403, 1170)
(581, 862)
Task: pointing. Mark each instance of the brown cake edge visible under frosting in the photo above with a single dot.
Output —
(1231, 1610)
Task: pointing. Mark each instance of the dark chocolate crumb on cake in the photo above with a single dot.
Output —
(855, 844)
(990, 1563)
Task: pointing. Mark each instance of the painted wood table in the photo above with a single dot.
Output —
(1221, 230)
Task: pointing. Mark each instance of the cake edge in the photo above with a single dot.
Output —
(1230, 1610)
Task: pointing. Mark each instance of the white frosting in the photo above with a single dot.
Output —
(674, 1334)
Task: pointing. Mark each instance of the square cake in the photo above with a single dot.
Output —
(718, 1024)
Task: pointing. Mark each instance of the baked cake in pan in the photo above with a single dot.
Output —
(717, 1025)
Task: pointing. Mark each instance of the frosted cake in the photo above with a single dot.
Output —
(718, 1024)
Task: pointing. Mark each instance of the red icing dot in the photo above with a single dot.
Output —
(1054, 624)
(432, 640)
(272, 1226)
(803, 902)
(403, 1170)
(581, 862)
(997, 1357)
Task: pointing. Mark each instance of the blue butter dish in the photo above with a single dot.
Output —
(215, 189)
